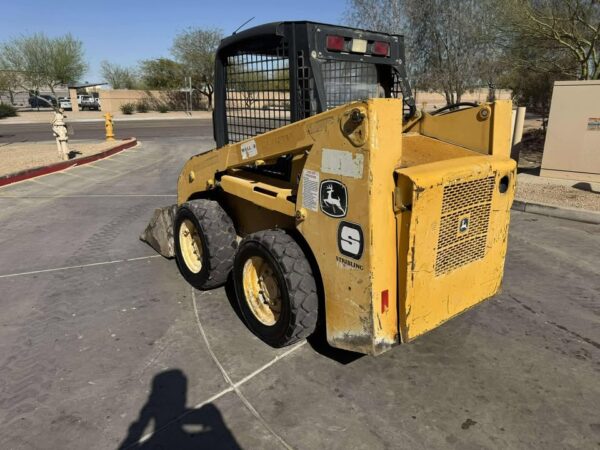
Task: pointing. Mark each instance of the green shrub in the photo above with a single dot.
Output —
(127, 108)
(162, 108)
(142, 106)
(7, 111)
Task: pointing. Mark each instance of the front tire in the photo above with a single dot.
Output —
(205, 243)
(275, 288)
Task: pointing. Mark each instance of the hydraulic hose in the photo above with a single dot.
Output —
(454, 105)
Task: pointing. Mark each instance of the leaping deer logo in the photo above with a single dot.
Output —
(331, 203)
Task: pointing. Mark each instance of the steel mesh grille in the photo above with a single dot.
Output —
(396, 85)
(396, 91)
(469, 201)
(306, 104)
(256, 93)
(347, 81)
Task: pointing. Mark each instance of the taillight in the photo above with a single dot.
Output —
(380, 48)
(335, 43)
(385, 301)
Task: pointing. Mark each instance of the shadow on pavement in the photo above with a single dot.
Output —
(231, 297)
(318, 342)
(201, 428)
(530, 170)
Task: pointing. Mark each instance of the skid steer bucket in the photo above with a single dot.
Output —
(159, 232)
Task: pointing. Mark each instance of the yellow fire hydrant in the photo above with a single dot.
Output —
(108, 124)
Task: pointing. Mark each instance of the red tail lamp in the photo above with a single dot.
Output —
(335, 43)
(385, 301)
(380, 48)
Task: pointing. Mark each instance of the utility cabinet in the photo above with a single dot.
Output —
(572, 148)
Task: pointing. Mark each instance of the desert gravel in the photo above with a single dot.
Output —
(16, 157)
(562, 193)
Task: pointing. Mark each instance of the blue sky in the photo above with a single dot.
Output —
(127, 31)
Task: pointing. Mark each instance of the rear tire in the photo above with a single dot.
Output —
(275, 288)
(205, 243)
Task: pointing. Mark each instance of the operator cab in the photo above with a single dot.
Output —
(278, 73)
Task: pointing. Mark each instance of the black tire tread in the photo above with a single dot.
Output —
(221, 239)
(298, 275)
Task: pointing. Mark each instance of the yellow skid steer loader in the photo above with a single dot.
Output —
(330, 195)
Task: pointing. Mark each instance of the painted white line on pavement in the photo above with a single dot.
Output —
(66, 172)
(235, 386)
(36, 181)
(175, 420)
(82, 266)
(93, 166)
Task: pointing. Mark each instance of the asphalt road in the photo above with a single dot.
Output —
(103, 344)
(142, 129)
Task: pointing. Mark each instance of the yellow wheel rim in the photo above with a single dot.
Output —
(191, 246)
(262, 292)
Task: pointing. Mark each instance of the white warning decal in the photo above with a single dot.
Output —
(339, 162)
(310, 189)
(248, 149)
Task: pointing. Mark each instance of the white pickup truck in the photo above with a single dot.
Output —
(88, 102)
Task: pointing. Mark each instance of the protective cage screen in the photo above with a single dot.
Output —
(347, 81)
(256, 93)
(397, 90)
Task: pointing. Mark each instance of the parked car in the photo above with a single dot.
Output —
(89, 102)
(65, 103)
(42, 101)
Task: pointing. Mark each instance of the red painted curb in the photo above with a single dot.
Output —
(37, 171)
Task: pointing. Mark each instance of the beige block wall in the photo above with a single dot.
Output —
(112, 99)
(73, 97)
(433, 100)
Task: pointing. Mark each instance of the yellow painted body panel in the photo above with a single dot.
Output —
(395, 189)
(262, 194)
(447, 271)
(484, 129)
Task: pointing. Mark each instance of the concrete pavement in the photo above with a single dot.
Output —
(45, 115)
(142, 129)
(103, 344)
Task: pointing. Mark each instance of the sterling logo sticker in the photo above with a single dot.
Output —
(350, 240)
(333, 198)
(463, 225)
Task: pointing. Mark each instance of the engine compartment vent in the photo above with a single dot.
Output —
(464, 224)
